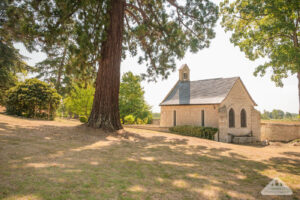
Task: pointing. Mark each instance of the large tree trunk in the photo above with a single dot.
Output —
(298, 75)
(105, 111)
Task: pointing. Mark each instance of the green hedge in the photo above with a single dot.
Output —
(196, 131)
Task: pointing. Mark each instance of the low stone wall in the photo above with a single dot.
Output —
(155, 121)
(279, 132)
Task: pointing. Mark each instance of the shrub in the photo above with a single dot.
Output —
(196, 131)
(80, 100)
(131, 98)
(139, 121)
(83, 119)
(145, 120)
(129, 119)
(33, 99)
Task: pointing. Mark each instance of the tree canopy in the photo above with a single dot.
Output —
(97, 33)
(11, 62)
(263, 28)
(163, 30)
(131, 99)
(266, 29)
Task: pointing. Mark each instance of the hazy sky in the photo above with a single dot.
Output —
(221, 59)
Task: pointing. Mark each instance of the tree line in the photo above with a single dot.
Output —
(278, 114)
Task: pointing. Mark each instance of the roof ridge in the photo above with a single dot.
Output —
(215, 78)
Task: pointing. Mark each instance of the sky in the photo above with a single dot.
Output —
(221, 59)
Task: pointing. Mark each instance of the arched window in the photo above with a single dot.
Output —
(231, 118)
(243, 118)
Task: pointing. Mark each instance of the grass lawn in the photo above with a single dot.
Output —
(65, 160)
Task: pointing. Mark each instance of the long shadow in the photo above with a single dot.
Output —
(82, 163)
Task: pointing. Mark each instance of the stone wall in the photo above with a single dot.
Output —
(280, 132)
(155, 121)
(189, 115)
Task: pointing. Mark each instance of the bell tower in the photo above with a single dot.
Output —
(184, 73)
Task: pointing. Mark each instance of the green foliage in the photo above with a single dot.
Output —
(129, 119)
(11, 63)
(163, 30)
(83, 119)
(32, 99)
(147, 120)
(278, 114)
(80, 100)
(131, 98)
(195, 131)
(139, 121)
(263, 28)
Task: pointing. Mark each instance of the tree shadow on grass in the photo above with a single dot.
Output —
(82, 163)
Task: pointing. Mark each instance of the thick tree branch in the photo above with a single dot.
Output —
(140, 10)
(133, 16)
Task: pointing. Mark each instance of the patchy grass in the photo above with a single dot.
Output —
(65, 160)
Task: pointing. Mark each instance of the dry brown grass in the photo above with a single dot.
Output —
(65, 160)
(2, 109)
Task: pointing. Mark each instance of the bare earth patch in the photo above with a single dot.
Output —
(66, 160)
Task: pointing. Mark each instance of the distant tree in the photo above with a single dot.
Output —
(277, 114)
(104, 31)
(265, 115)
(54, 70)
(34, 99)
(63, 67)
(80, 100)
(131, 98)
(156, 115)
(288, 115)
(263, 28)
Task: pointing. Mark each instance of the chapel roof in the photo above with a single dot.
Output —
(208, 91)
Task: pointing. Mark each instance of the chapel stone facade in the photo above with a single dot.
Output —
(223, 103)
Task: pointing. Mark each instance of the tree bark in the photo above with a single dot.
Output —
(105, 111)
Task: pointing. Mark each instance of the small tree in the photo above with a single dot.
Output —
(80, 100)
(265, 115)
(131, 98)
(32, 98)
